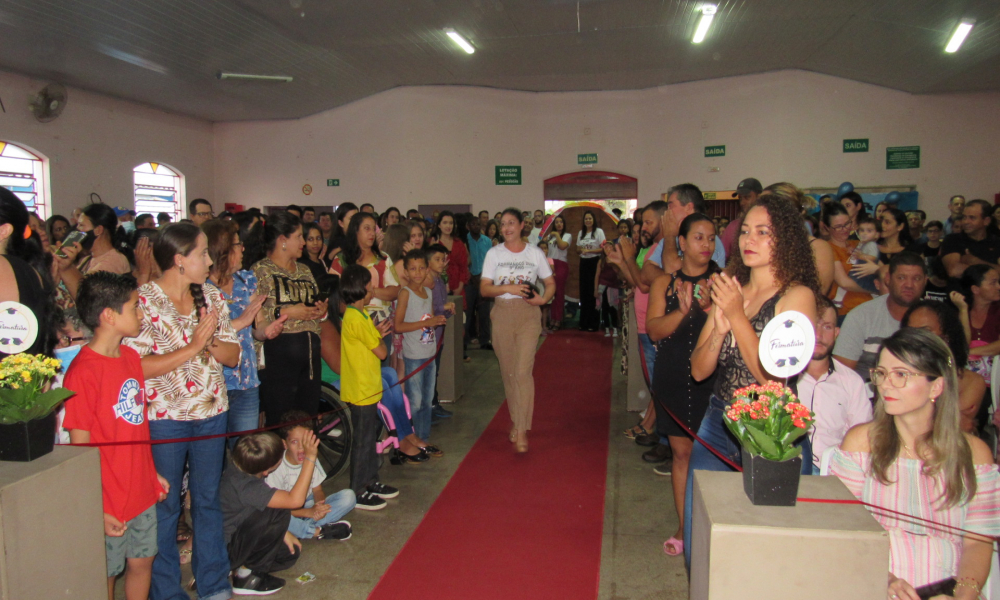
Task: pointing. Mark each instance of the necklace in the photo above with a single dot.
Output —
(908, 450)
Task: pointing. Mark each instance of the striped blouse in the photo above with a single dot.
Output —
(919, 553)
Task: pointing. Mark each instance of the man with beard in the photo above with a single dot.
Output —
(536, 230)
(829, 388)
(868, 324)
(747, 191)
(682, 200)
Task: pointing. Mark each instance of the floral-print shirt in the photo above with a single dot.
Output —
(244, 375)
(195, 390)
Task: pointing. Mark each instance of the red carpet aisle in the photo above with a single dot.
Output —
(523, 526)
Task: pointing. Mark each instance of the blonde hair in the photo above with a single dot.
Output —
(948, 456)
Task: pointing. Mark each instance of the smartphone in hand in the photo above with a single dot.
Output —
(74, 237)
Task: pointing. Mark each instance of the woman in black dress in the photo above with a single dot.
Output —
(676, 315)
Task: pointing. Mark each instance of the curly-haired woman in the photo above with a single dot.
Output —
(773, 272)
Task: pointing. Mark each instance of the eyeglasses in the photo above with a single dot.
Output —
(235, 244)
(204, 214)
(897, 378)
(843, 227)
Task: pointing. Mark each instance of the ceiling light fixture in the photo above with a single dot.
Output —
(707, 14)
(248, 76)
(461, 41)
(961, 32)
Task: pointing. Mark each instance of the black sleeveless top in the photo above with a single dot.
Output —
(32, 295)
(733, 373)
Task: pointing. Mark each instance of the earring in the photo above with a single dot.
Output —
(284, 247)
(182, 270)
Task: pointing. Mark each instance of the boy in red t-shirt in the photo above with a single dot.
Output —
(109, 406)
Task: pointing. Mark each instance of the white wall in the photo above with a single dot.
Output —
(440, 144)
(97, 141)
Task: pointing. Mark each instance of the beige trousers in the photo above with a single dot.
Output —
(516, 327)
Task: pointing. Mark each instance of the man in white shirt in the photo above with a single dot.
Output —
(536, 231)
(831, 389)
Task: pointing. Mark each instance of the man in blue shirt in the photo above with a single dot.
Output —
(682, 200)
(479, 245)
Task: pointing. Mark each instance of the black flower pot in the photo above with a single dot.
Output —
(23, 442)
(769, 482)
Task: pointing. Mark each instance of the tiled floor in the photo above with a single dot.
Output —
(638, 516)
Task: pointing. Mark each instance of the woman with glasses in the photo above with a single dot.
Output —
(846, 293)
(913, 459)
(239, 290)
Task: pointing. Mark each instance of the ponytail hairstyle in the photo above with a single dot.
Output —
(262, 240)
(102, 215)
(174, 239)
(222, 234)
(50, 321)
(338, 216)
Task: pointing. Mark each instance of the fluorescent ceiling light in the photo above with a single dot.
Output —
(461, 41)
(279, 78)
(961, 32)
(707, 14)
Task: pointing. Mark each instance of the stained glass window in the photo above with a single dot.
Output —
(158, 188)
(23, 172)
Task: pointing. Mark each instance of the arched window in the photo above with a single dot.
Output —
(158, 188)
(25, 173)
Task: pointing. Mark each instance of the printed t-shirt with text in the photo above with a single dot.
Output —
(504, 267)
(111, 405)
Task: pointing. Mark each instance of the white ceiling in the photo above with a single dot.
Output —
(166, 53)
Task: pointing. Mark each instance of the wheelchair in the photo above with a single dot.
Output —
(334, 431)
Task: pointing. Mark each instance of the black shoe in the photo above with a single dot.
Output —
(257, 584)
(341, 531)
(383, 491)
(486, 347)
(439, 412)
(659, 453)
(399, 458)
(369, 501)
(648, 439)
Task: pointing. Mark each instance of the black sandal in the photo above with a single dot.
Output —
(432, 451)
(400, 458)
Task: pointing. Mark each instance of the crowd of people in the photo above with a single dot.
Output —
(222, 323)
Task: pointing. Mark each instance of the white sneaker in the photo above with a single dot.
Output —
(607, 332)
(614, 333)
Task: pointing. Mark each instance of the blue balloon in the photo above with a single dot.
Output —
(893, 197)
(844, 188)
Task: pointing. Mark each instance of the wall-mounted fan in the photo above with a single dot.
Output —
(47, 104)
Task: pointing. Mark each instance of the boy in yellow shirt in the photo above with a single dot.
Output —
(361, 350)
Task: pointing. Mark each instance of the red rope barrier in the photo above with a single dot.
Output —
(201, 438)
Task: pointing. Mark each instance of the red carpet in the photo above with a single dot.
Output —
(523, 526)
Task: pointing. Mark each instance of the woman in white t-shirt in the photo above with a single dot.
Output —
(509, 270)
(559, 242)
(589, 244)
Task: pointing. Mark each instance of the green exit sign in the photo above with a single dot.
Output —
(586, 159)
(713, 151)
(858, 145)
(332, 183)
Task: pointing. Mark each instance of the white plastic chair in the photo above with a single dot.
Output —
(824, 461)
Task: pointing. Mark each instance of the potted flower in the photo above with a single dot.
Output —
(27, 407)
(767, 420)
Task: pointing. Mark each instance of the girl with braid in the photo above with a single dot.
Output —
(185, 339)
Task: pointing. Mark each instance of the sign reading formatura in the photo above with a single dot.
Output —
(787, 344)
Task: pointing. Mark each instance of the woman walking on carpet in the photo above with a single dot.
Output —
(509, 270)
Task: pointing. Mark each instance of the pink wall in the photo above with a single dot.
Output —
(440, 144)
(97, 141)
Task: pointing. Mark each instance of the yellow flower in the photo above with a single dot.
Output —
(15, 386)
(26, 376)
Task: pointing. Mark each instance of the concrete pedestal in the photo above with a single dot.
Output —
(811, 550)
(52, 527)
(636, 391)
(450, 383)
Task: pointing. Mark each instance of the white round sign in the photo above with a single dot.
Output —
(18, 327)
(787, 344)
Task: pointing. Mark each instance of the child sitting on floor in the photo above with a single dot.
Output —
(255, 516)
(109, 406)
(320, 516)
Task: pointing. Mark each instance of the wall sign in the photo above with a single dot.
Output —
(858, 145)
(787, 344)
(902, 157)
(18, 327)
(332, 183)
(307, 189)
(586, 159)
(713, 151)
(508, 175)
